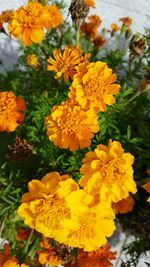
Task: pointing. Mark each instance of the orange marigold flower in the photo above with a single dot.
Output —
(99, 42)
(64, 64)
(90, 28)
(94, 86)
(70, 126)
(48, 254)
(11, 108)
(32, 61)
(115, 27)
(148, 171)
(107, 171)
(44, 206)
(51, 17)
(101, 257)
(124, 206)
(26, 23)
(147, 188)
(22, 234)
(5, 16)
(127, 21)
(6, 260)
(91, 3)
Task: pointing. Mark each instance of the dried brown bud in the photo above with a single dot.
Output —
(78, 10)
(20, 150)
(137, 48)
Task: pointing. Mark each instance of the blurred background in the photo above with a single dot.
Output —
(109, 10)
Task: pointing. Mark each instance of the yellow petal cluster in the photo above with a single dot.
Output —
(28, 22)
(70, 126)
(32, 61)
(94, 86)
(65, 64)
(107, 171)
(57, 208)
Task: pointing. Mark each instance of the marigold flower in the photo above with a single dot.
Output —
(26, 23)
(99, 42)
(90, 28)
(11, 108)
(91, 3)
(94, 86)
(6, 260)
(148, 171)
(127, 21)
(51, 17)
(147, 188)
(22, 234)
(88, 225)
(107, 172)
(44, 206)
(124, 206)
(5, 16)
(64, 64)
(101, 257)
(32, 61)
(115, 27)
(70, 126)
(48, 254)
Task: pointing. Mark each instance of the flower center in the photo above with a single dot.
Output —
(51, 212)
(94, 87)
(112, 172)
(70, 122)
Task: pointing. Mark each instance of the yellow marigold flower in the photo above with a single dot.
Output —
(90, 28)
(89, 225)
(127, 21)
(64, 64)
(11, 108)
(99, 42)
(94, 86)
(44, 206)
(26, 23)
(70, 126)
(32, 61)
(51, 17)
(101, 257)
(90, 3)
(115, 27)
(107, 172)
(124, 206)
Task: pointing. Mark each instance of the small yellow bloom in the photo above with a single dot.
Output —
(94, 86)
(65, 64)
(124, 206)
(32, 61)
(11, 111)
(115, 27)
(108, 172)
(70, 126)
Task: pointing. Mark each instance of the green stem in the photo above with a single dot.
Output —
(133, 97)
(78, 36)
(28, 242)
